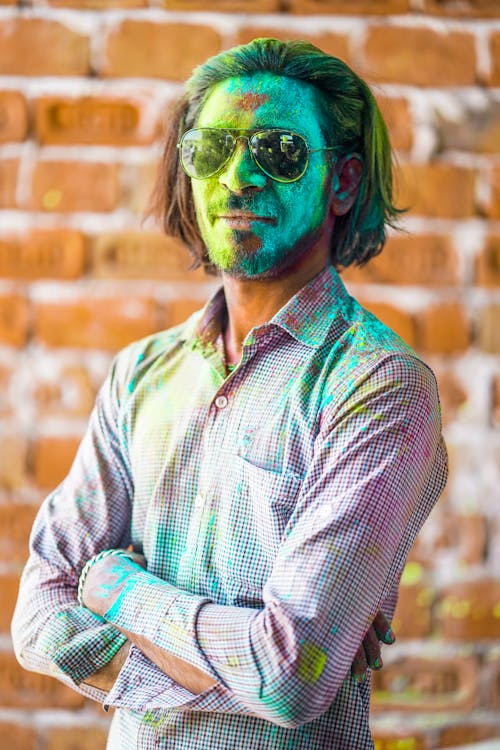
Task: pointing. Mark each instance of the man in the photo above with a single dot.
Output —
(270, 461)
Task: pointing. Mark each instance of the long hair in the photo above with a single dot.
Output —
(355, 124)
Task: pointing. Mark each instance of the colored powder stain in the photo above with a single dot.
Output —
(249, 102)
(412, 574)
(312, 661)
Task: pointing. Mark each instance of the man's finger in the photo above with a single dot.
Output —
(359, 665)
(383, 628)
(371, 648)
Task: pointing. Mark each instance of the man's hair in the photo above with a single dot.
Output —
(355, 125)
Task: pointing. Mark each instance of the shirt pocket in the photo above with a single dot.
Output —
(252, 512)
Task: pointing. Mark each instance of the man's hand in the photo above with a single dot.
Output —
(368, 654)
(105, 578)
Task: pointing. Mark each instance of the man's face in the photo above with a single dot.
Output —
(287, 218)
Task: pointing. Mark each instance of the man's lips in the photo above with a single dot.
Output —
(243, 218)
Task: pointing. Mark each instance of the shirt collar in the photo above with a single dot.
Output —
(318, 307)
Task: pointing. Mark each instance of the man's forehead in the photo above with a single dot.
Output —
(268, 95)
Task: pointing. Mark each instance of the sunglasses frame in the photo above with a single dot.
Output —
(248, 138)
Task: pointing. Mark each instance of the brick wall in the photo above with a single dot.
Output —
(84, 88)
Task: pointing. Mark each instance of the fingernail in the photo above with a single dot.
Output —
(389, 636)
(377, 663)
(360, 677)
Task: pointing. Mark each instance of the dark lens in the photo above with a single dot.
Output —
(204, 151)
(281, 154)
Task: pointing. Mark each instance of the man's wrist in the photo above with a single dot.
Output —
(104, 577)
(88, 565)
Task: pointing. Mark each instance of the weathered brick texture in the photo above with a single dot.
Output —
(69, 186)
(86, 89)
(13, 116)
(38, 47)
(173, 49)
(444, 59)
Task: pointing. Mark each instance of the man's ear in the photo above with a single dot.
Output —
(346, 183)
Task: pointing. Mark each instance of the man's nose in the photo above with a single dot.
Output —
(241, 172)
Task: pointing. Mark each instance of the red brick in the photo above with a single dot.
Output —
(64, 392)
(226, 6)
(173, 49)
(400, 321)
(471, 9)
(426, 683)
(477, 129)
(495, 401)
(412, 618)
(179, 310)
(93, 120)
(16, 520)
(470, 611)
(17, 736)
(51, 253)
(13, 116)
(488, 262)
(9, 587)
(97, 4)
(142, 255)
(108, 323)
(354, 7)
(495, 57)
(138, 180)
(52, 458)
(399, 740)
(24, 689)
(75, 186)
(42, 47)
(12, 461)
(443, 329)
(444, 59)
(14, 319)
(6, 377)
(488, 334)
(436, 190)
(467, 733)
(333, 43)
(492, 208)
(8, 181)
(451, 394)
(491, 672)
(462, 537)
(399, 121)
(428, 259)
(76, 738)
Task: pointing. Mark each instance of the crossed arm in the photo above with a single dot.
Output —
(103, 586)
(377, 471)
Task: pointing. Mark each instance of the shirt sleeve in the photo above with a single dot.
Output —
(379, 466)
(87, 513)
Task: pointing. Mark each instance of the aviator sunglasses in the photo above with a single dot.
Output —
(281, 154)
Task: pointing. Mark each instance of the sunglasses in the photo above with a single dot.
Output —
(281, 154)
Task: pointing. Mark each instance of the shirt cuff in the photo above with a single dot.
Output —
(80, 643)
(162, 613)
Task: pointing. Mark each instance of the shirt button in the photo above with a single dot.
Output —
(221, 402)
(199, 500)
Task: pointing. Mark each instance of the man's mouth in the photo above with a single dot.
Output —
(243, 219)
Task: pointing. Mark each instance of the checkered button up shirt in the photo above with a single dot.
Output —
(275, 507)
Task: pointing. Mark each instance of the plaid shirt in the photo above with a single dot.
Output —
(275, 506)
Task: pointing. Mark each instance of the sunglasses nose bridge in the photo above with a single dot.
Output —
(241, 170)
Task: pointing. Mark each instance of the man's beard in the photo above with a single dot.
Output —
(249, 263)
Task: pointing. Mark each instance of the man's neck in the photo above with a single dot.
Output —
(252, 302)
